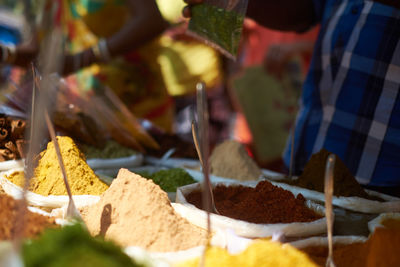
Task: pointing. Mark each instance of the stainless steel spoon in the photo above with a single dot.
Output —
(196, 144)
(330, 165)
(72, 211)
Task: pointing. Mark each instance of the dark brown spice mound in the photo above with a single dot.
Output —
(344, 182)
(34, 223)
(265, 204)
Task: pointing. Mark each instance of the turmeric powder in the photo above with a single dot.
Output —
(48, 178)
(261, 253)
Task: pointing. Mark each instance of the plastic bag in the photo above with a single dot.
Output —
(219, 23)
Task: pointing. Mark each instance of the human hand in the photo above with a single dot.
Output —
(186, 10)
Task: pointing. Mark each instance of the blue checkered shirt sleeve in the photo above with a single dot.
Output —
(351, 103)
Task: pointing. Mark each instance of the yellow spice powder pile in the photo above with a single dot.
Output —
(262, 253)
(48, 178)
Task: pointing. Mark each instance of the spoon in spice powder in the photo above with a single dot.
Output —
(330, 165)
(201, 141)
(72, 211)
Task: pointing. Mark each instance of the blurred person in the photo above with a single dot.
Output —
(138, 48)
(184, 61)
(350, 103)
(285, 56)
(117, 43)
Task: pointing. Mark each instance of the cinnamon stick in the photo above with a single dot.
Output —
(17, 128)
(3, 122)
(3, 134)
(21, 147)
(10, 145)
(7, 154)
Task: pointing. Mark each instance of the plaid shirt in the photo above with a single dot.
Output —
(351, 101)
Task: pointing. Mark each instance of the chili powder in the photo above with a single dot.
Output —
(34, 223)
(266, 204)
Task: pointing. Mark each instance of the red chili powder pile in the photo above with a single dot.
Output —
(34, 223)
(265, 204)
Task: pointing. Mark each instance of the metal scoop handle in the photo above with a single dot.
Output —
(330, 165)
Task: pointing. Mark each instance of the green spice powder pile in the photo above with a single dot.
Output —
(222, 27)
(73, 246)
(111, 150)
(170, 180)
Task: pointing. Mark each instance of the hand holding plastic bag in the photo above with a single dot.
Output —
(218, 23)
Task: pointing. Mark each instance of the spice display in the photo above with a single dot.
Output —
(48, 177)
(265, 203)
(110, 150)
(261, 253)
(230, 159)
(344, 182)
(34, 223)
(73, 246)
(169, 180)
(381, 249)
(136, 212)
(12, 143)
(221, 27)
(183, 149)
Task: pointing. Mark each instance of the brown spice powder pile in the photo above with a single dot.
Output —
(344, 182)
(34, 223)
(230, 159)
(265, 203)
(136, 212)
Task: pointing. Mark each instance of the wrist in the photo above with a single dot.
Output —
(101, 51)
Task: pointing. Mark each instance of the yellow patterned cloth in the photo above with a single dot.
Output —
(134, 77)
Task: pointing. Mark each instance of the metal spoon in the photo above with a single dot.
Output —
(196, 144)
(330, 165)
(72, 211)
